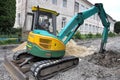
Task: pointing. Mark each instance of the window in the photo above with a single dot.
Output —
(44, 0)
(76, 7)
(82, 7)
(97, 18)
(96, 29)
(54, 2)
(19, 1)
(86, 27)
(18, 18)
(64, 3)
(29, 18)
(63, 21)
(90, 29)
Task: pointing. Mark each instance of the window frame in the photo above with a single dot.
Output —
(76, 7)
(63, 21)
(54, 2)
(64, 3)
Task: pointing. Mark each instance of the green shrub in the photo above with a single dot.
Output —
(117, 27)
(9, 41)
(98, 35)
(111, 34)
(2, 42)
(13, 34)
(90, 35)
(77, 35)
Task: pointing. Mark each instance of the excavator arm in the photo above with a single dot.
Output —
(70, 29)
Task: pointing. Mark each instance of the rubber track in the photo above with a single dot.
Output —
(39, 66)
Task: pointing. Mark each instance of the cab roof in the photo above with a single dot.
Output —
(34, 8)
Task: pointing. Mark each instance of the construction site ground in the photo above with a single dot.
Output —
(92, 65)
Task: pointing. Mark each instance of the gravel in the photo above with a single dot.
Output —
(5, 50)
(86, 69)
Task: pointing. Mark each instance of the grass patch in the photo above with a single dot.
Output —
(98, 35)
(8, 36)
(9, 41)
(78, 35)
(111, 34)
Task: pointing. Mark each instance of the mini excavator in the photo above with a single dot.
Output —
(44, 53)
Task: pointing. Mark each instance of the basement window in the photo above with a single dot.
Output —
(64, 3)
(54, 2)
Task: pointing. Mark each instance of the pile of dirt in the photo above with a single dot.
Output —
(109, 59)
(72, 49)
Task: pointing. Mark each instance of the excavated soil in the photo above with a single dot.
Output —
(109, 59)
(72, 49)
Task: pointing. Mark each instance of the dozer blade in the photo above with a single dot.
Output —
(14, 71)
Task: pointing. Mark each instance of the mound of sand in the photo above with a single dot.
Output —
(72, 49)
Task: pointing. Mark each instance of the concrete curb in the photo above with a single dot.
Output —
(8, 46)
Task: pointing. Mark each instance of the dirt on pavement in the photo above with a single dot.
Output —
(107, 59)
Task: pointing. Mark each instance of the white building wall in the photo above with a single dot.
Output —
(91, 25)
(20, 13)
(112, 22)
(16, 25)
(67, 12)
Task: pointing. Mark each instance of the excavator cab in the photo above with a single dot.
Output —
(44, 19)
(40, 19)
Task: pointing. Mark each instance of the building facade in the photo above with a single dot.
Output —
(66, 8)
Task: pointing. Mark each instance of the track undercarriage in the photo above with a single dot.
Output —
(41, 68)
